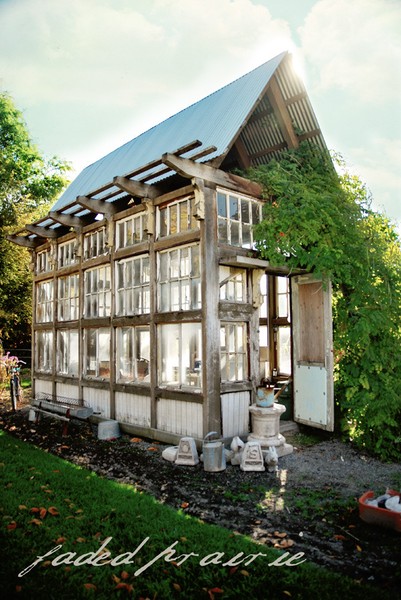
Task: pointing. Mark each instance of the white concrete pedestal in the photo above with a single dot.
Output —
(266, 428)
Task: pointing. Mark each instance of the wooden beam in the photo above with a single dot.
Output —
(243, 157)
(189, 169)
(97, 206)
(136, 188)
(22, 240)
(67, 220)
(43, 232)
(280, 109)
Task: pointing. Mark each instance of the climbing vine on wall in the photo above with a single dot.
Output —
(322, 221)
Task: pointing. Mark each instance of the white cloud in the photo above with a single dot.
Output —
(379, 166)
(355, 46)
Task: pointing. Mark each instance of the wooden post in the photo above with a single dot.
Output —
(210, 313)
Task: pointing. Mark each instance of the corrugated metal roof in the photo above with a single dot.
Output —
(215, 120)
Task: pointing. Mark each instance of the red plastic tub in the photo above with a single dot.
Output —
(379, 516)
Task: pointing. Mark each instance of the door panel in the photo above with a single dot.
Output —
(312, 352)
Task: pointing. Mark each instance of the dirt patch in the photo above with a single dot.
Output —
(309, 505)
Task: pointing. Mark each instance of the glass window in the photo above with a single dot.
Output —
(95, 244)
(43, 262)
(131, 231)
(177, 217)
(133, 354)
(44, 301)
(180, 355)
(97, 352)
(179, 279)
(97, 287)
(66, 254)
(283, 297)
(68, 298)
(233, 352)
(133, 286)
(236, 218)
(67, 352)
(232, 284)
(44, 351)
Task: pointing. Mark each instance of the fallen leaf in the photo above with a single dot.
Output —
(245, 573)
(280, 535)
(43, 513)
(124, 586)
(52, 510)
(18, 588)
(34, 510)
(184, 504)
(124, 575)
(60, 540)
(89, 586)
(36, 522)
(233, 570)
(287, 593)
(216, 590)
(12, 525)
(80, 540)
(135, 440)
(358, 548)
(177, 587)
(152, 449)
(339, 537)
(22, 507)
(116, 579)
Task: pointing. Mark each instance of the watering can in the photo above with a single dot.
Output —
(214, 458)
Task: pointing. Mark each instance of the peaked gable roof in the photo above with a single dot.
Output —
(246, 123)
(215, 120)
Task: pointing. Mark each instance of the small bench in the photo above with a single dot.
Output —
(61, 411)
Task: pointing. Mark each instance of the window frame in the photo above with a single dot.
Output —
(95, 299)
(177, 280)
(168, 209)
(68, 304)
(187, 377)
(65, 350)
(127, 289)
(45, 301)
(139, 363)
(66, 254)
(96, 371)
(95, 243)
(225, 203)
(122, 230)
(44, 351)
(230, 355)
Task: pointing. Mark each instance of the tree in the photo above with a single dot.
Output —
(323, 222)
(28, 184)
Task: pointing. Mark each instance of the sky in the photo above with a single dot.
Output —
(90, 75)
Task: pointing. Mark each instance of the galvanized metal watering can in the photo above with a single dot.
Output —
(214, 458)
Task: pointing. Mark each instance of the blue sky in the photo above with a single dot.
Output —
(91, 75)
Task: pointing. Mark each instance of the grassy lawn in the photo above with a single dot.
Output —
(48, 502)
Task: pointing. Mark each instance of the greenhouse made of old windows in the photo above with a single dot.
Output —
(151, 305)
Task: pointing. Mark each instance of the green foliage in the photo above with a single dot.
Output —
(28, 184)
(320, 221)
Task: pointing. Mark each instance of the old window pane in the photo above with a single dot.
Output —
(180, 355)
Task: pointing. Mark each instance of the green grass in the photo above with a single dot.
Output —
(88, 509)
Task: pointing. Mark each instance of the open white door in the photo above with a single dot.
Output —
(312, 352)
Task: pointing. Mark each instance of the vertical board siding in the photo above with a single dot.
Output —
(97, 399)
(235, 413)
(43, 387)
(181, 418)
(65, 390)
(132, 408)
